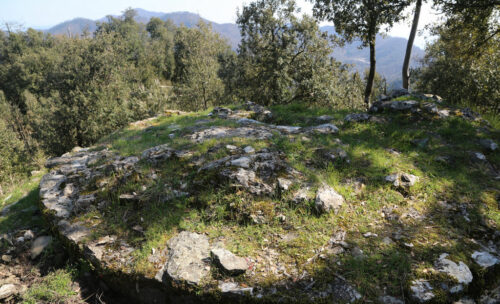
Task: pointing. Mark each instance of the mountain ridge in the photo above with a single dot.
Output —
(390, 50)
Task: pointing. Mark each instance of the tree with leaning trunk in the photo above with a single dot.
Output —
(409, 46)
(362, 19)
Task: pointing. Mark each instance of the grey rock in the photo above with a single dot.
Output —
(460, 272)
(247, 121)
(370, 234)
(327, 199)
(399, 92)
(161, 152)
(485, 259)
(478, 157)
(84, 201)
(489, 144)
(421, 291)
(28, 235)
(357, 117)
(228, 262)
(6, 258)
(234, 288)
(344, 292)
(390, 300)
(325, 129)
(7, 291)
(187, 259)
(284, 184)
(403, 105)
(226, 132)
(325, 118)
(73, 231)
(430, 107)
(220, 112)
(302, 195)
(242, 162)
(403, 180)
(288, 129)
(249, 149)
(260, 112)
(39, 245)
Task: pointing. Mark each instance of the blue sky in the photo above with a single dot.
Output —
(46, 13)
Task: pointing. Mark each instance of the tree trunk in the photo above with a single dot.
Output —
(409, 46)
(371, 75)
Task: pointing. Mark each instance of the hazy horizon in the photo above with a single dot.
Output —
(26, 13)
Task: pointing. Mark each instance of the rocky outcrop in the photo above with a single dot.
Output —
(188, 259)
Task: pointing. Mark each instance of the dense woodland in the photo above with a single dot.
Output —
(60, 92)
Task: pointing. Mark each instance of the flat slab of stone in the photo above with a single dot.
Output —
(325, 129)
(228, 262)
(234, 288)
(7, 290)
(225, 132)
(485, 259)
(187, 259)
(460, 272)
(39, 245)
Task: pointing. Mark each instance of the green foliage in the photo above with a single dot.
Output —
(197, 51)
(12, 151)
(462, 65)
(284, 58)
(54, 288)
(364, 20)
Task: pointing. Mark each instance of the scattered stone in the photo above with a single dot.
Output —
(460, 272)
(187, 259)
(302, 195)
(249, 149)
(39, 245)
(327, 199)
(7, 291)
(232, 148)
(229, 262)
(84, 201)
(489, 144)
(399, 92)
(289, 129)
(234, 288)
(7, 258)
(430, 107)
(478, 157)
(421, 291)
(161, 152)
(357, 252)
(226, 132)
(128, 198)
(325, 129)
(485, 259)
(334, 155)
(357, 117)
(242, 162)
(260, 112)
(370, 234)
(247, 121)
(284, 184)
(28, 235)
(403, 180)
(220, 112)
(387, 241)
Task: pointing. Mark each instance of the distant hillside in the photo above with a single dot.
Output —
(390, 50)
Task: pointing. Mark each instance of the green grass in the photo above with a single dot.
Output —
(25, 200)
(53, 288)
(216, 210)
